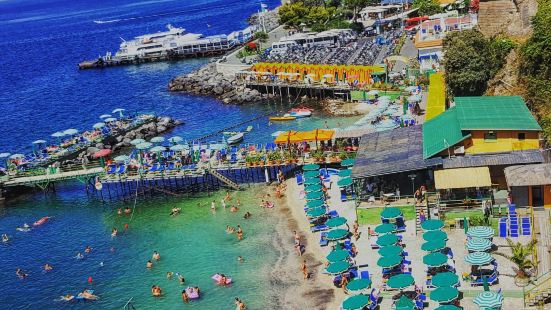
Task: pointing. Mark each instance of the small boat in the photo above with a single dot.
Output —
(236, 138)
(282, 118)
(301, 112)
(218, 277)
(41, 221)
(249, 128)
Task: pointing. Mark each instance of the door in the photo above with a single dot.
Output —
(537, 196)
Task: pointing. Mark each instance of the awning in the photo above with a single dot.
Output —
(462, 178)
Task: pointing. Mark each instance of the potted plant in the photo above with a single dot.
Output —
(521, 257)
(288, 157)
(318, 155)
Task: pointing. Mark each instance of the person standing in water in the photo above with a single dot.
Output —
(156, 256)
(239, 233)
(213, 206)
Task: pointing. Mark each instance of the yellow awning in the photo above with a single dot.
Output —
(290, 136)
(304, 136)
(462, 178)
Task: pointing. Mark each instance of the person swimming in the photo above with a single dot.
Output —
(175, 211)
(149, 264)
(169, 275)
(79, 256)
(247, 215)
(239, 233)
(233, 209)
(185, 297)
(67, 297)
(240, 259)
(114, 232)
(180, 278)
(223, 279)
(156, 256)
(156, 291)
(119, 211)
(25, 227)
(229, 229)
(88, 249)
(20, 273)
(86, 294)
(5, 238)
(48, 267)
(127, 210)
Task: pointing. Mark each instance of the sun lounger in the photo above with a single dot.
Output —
(319, 228)
(502, 227)
(333, 213)
(111, 169)
(344, 197)
(122, 169)
(299, 178)
(323, 241)
(154, 168)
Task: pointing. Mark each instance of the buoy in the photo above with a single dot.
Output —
(90, 280)
(125, 226)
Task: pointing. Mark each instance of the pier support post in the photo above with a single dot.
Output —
(266, 175)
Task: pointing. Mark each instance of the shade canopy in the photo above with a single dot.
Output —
(337, 234)
(356, 302)
(348, 162)
(39, 141)
(102, 153)
(444, 294)
(432, 224)
(338, 267)
(144, 145)
(479, 258)
(345, 173)
(158, 148)
(175, 139)
(58, 134)
(179, 147)
(488, 300)
(435, 245)
(479, 244)
(122, 158)
(435, 235)
(391, 213)
(389, 261)
(435, 259)
(391, 250)
(337, 255)
(445, 279)
(404, 303)
(313, 188)
(357, 285)
(314, 195)
(385, 228)
(344, 182)
(481, 232)
(388, 239)
(462, 178)
(157, 139)
(314, 203)
(336, 222)
(312, 174)
(317, 212)
(400, 281)
(98, 125)
(105, 116)
(70, 131)
(137, 141)
(311, 167)
(110, 119)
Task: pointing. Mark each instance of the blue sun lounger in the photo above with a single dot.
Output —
(323, 240)
(122, 169)
(111, 169)
(300, 179)
(154, 168)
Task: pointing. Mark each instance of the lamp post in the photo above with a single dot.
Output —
(412, 178)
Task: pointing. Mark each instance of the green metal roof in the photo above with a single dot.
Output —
(441, 132)
(494, 113)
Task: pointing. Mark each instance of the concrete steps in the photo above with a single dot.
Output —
(224, 179)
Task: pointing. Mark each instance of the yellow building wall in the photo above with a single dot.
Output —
(507, 140)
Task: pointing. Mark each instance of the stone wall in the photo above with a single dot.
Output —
(506, 16)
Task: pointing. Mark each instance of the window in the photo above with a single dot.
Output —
(521, 136)
(490, 136)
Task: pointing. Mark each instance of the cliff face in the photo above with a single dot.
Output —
(506, 16)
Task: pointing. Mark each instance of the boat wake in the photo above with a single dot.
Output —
(107, 21)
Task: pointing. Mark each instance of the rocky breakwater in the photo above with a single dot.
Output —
(156, 126)
(208, 82)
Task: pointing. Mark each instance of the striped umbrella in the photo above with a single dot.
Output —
(337, 234)
(388, 239)
(481, 232)
(311, 167)
(488, 300)
(356, 302)
(435, 259)
(338, 267)
(479, 258)
(389, 261)
(337, 255)
(385, 228)
(479, 244)
(335, 222)
(445, 279)
(432, 225)
(356, 286)
(435, 245)
(444, 294)
(400, 281)
(435, 235)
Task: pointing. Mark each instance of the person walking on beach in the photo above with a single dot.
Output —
(304, 269)
(355, 228)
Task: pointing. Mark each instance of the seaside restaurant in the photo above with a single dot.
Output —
(461, 152)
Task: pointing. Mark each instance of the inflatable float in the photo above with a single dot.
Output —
(41, 221)
(217, 278)
(270, 205)
(192, 293)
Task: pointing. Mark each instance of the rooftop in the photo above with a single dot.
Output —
(442, 132)
(528, 175)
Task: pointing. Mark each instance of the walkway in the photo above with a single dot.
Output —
(542, 227)
(48, 178)
(408, 50)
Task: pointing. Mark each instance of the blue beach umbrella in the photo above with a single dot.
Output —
(70, 132)
(98, 125)
(479, 244)
(105, 116)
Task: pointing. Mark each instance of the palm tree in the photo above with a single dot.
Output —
(520, 257)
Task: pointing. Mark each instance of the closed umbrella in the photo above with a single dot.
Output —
(435, 245)
(385, 228)
(311, 204)
(391, 213)
(337, 255)
(314, 195)
(345, 173)
(143, 145)
(312, 181)
(358, 285)
(338, 267)
(432, 224)
(444, 294)
(311, 167)
(105, 116)
(488, 300)
(435, 259)
(479, 244)
(137, 141)
(400, 281)
(157, 140)
(175, 139)
(313, 188)
(391, 250)
(348, 162)
(443, 279)
(344, 182)
(122, 158)
(337, 234)
(389, 261)
(388, 239)
(98, 125)
(158, 148)
(335, 222)
(479, 258)
(311, 174)
(356, 302)
(317, 212)
(481, 232)
(435, 235)
(179, 147)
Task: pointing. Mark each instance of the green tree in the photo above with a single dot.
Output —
(427, 7)
(261, 37)
(520, 256)
(293, 14)
(466, 62)
(356, 6)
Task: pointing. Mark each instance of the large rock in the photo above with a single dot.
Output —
(91, 150)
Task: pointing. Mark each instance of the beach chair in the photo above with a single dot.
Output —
(153, 168)
(233, 158)
(344, 197)
(502, 227)
(171, 166)
(513, 229)
(419, 304)
(374, 244)
(400, 224)
(300, 179)
(121, 169)
(111, 169)
(320, 227)
(323, 240)
(526, 227)
(333, 213)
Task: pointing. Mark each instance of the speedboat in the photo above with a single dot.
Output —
(300, 112)
(236, 138)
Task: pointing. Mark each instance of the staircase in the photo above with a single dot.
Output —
(223, 179)
(418, 209)
(539, 292)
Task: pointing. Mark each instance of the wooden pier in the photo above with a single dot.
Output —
(297, 90)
